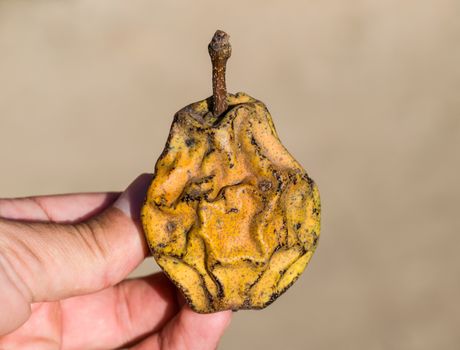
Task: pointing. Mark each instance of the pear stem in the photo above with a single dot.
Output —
(220, 50)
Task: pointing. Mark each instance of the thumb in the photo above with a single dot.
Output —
(49, 261)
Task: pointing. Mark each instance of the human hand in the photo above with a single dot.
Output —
(63, 260)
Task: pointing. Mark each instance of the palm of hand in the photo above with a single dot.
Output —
(114, 317)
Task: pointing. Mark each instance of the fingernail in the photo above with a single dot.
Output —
(132, 199)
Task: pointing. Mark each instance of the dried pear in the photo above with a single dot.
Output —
(230, 216)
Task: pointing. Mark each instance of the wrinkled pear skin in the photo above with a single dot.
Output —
(230, 216)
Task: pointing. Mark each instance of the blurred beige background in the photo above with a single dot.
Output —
(366, 94)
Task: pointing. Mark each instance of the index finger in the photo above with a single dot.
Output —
(66, 208)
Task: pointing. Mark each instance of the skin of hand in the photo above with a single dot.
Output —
(63, 264)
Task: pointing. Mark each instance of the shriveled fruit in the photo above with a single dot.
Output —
(231, 217)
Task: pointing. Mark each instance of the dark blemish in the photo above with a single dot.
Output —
(279, 179)
(298, 225)
(205, 179)
(211, 148)
(265, 185)
(315, 238)
(161, 245)
(190, 142)
(231, 165)
(315, 211)
(193, 196)
(273, 297)
(315, 241)
(233, 210)
(229, 157)
(170, 226)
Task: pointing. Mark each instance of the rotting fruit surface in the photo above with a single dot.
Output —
(230, 216)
